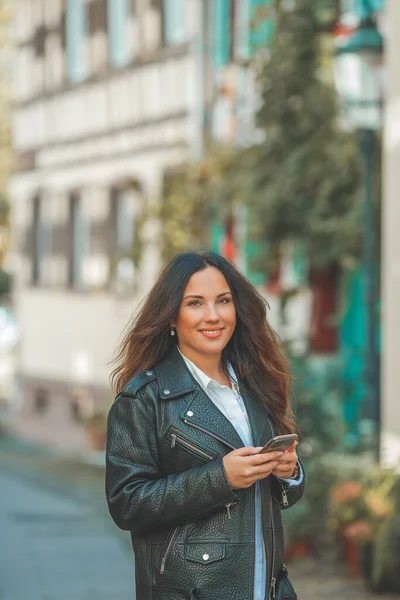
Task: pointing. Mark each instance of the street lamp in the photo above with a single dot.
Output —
(359, 81)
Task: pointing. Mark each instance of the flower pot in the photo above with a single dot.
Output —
(352, 556)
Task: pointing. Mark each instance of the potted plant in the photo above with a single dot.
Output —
(358, 510)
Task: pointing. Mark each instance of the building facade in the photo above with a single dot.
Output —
(109, 95)
(105, 100)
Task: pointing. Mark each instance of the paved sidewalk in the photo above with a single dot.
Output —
(314, 581)
(58, 542)
(55, 543)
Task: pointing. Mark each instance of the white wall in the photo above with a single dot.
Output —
(391, 247)
(70, 337)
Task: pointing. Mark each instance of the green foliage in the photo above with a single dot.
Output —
(5, 282)
(309, 519)
(385, 553)
(364, 506)
(194, 195)
(302, 182)
(304, 178)
(317, 401)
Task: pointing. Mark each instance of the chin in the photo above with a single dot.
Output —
(213, 347)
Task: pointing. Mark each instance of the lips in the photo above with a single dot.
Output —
(212, 333)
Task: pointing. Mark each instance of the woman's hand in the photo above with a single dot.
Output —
(287, 463)
(245, 466)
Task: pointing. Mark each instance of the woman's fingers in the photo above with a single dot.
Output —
(267, 469)
(246, 465)
(245, 451)
(284, 470)
(260, 459)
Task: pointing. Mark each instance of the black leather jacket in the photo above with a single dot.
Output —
(193, 536)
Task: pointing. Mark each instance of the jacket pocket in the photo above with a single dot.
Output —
(170, 593)
(178, 441)
(205, 553)
(284, 587)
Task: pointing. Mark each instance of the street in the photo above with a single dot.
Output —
(58, 542)
(54, 547)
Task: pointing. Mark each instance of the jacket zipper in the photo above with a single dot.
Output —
(168, 549)
(227, 506)
(177, 439)
(272, 588)
(209, 433)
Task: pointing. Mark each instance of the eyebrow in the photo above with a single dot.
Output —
(202, 297)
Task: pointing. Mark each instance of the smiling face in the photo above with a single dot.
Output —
(207, 315)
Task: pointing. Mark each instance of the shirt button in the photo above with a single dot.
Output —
(189, 413)
(166, 392)
(206, 556)
(149, 373)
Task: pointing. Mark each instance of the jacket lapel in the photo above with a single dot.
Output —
(202, 414)
(175, 380)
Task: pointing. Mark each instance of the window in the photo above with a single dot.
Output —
(76, 30)
(41, 401)
(174, 22)
(98, 35)
(125, 229)
(42, 241)
(120, 31)
(81, 404)
(126, 203)
(80, 241)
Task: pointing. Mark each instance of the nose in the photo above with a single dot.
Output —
(212, 315)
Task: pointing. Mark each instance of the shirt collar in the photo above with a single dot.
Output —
(202, 378)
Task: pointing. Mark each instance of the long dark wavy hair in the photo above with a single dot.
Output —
(254, 348)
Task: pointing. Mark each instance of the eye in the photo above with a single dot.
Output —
(194, 303)
(225, 300)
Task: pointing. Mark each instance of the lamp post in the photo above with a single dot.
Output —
(359, 81)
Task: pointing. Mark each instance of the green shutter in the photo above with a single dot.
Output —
(118, 14)
(363, 8)
(174, 22)
(221, 32)
(76, 30)
(261, 24)
(377, 5)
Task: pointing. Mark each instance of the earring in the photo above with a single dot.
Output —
(172, 332)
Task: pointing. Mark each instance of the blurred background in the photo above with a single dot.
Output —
(266, 130)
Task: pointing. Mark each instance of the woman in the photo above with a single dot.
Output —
(202, 385)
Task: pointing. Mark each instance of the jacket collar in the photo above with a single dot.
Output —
(175, 380)
(173, 377)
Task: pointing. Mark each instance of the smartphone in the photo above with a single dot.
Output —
(280, 442)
